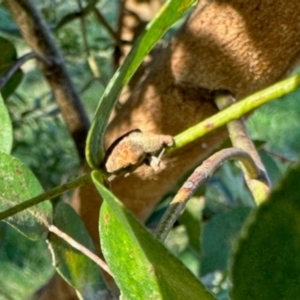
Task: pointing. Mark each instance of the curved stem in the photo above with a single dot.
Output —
(240, 139)
(46, 196)
(200, 176)
(15, 67)
(75, 15)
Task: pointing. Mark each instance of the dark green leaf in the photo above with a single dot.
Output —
(7, 24)
(218, 237)
(18, 184)
(6, 134)
(271, 167)
(142, 267)
(76, 268)
(191, 260)
(191, 219)
(266, 263)
(7, 58)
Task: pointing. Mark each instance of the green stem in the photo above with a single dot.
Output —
(240, 139)
(46, 196)
(235, 111)
(55, 230)
(200, 176)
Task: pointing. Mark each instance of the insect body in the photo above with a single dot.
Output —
(132, 149)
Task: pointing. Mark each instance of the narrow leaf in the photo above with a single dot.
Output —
(143, 268)
(6, 134)
(169, 14)
(76, 268)
(18, 184)
(7, 58)
(266, 263)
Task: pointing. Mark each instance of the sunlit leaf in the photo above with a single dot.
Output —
(218, 237)
(6, 134)
(76, 268)
(18, 184)
(266, 263)
(170, 13)
(7, 58)
(142, 267)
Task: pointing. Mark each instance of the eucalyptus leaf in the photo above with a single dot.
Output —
(266, 262)
(76, 268)
(18, 184)
(191, 219)
(169, 14)
(218, 238)
(6, 133)
(142, 267)
(7, 58)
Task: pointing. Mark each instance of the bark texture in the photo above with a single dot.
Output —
(241, 46)
(39, 38)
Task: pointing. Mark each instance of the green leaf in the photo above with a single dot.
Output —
(6, 133)
(266, 263)
(143, 268)
(76, 268)
(218, 237)
(169, 14)
(271, 167)
(191, 219)
(18, 184)
(7, 24)
(7, 58)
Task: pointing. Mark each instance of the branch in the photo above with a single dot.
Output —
(105, 24)
(75, 15)
(282, 158)
(15, 67)
(90, 58)
(91, 7)
(45, 196)
(240, 139)
(200, 176)
(80, 248)
(39, 38)
(235, 111)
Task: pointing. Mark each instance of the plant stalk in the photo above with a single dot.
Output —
(200, 176)
(235, 111)
(240, 139)
(46, 196)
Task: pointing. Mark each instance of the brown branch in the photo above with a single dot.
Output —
(96, 259)
(39, 38)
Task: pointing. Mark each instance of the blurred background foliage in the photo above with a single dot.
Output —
(42, 142)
